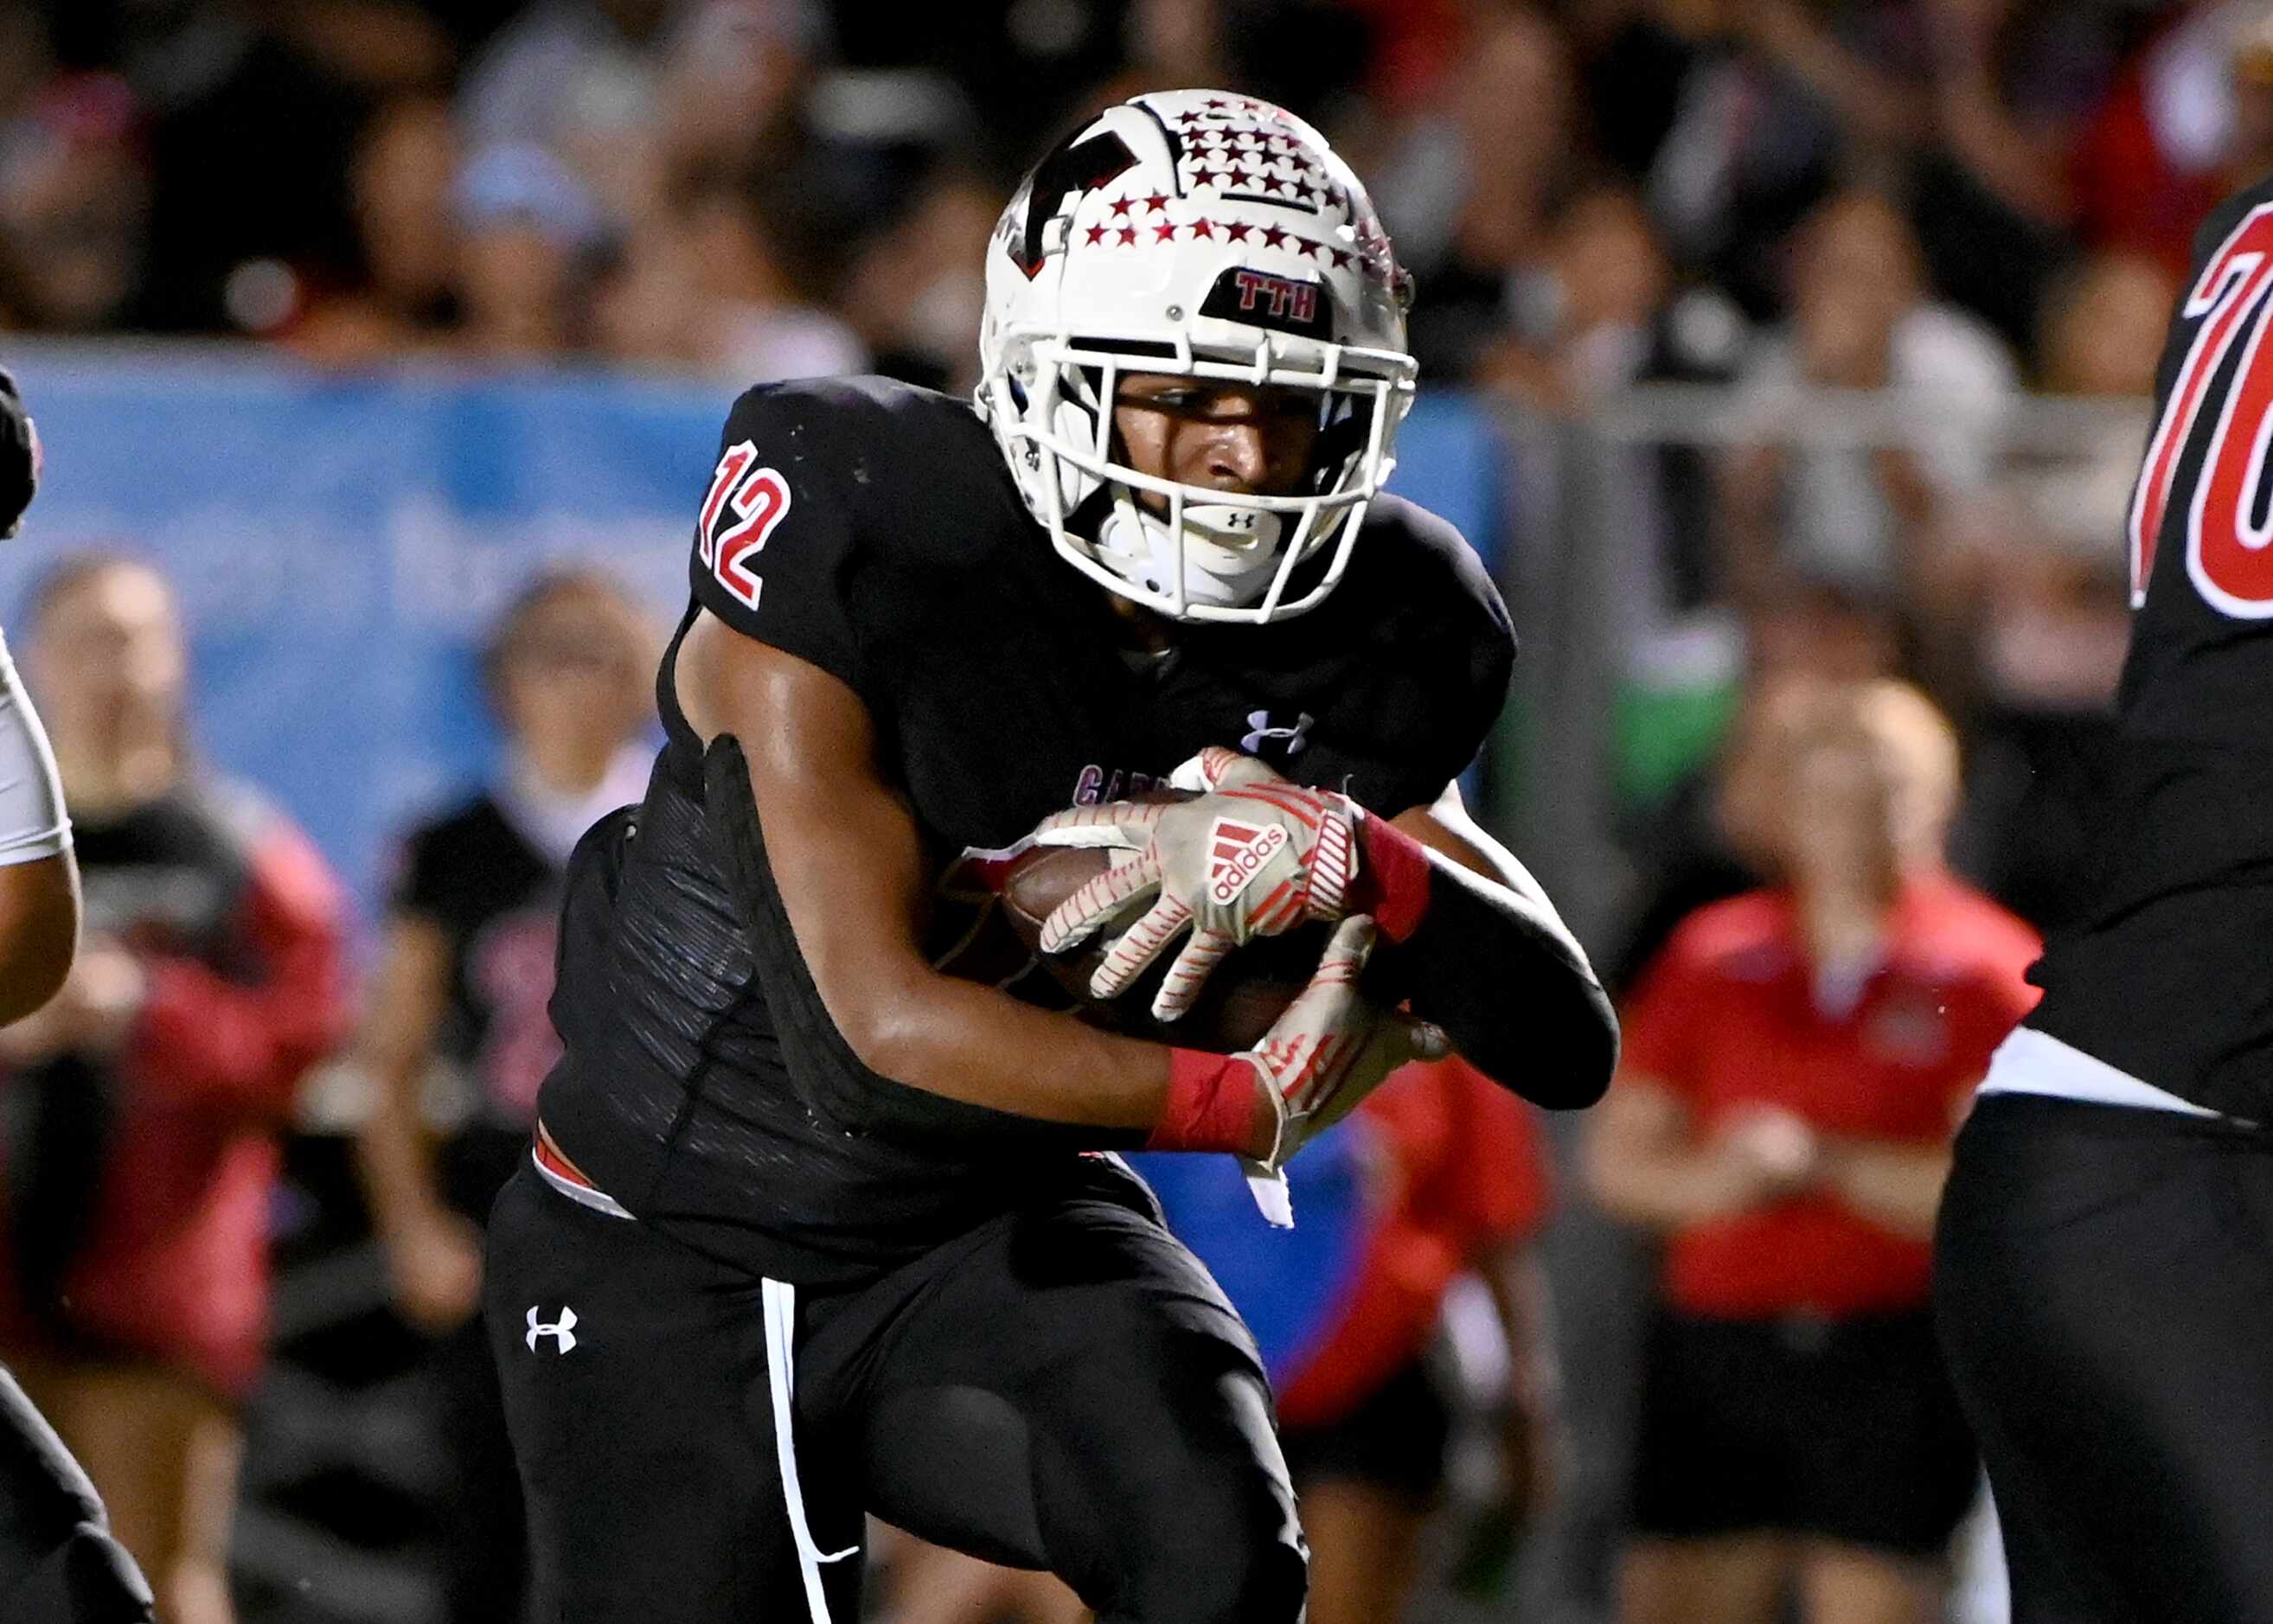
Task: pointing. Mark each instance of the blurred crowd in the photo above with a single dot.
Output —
(1922, 192)
(1954, 199)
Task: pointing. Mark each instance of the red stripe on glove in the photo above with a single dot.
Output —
(1392, 878)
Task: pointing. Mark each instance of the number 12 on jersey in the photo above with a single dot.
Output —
(752, 501)
(2228, 526)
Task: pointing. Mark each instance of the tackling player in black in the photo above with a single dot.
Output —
(2104, 1262)
(812, 1229)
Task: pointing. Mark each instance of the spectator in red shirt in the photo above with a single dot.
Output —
(143, 1102)
(1796, 1061)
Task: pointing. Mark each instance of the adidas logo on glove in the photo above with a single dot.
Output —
(1236, 854)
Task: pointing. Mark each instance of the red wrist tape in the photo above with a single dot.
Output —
(1392, 878)
(1210, 1104)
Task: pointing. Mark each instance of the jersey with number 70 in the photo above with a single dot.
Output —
(2171, 976)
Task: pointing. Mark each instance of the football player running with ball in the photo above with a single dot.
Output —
(812, 1229)
(2104, 1263)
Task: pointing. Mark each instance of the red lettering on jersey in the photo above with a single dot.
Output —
(2225, 544)
(759, 500)
(732, 466)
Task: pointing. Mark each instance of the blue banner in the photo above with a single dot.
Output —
(341, 542)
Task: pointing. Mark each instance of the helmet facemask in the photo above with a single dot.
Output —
(1196, 552)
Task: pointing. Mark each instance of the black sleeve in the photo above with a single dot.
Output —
(1443, 671)
(777, 549)
(1484, 656)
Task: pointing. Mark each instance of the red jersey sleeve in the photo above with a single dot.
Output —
(243, 1043)
(1497, 1178)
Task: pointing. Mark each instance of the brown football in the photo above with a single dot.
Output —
(1247, 992)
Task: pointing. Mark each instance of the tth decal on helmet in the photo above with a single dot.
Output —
(1196, 234)
(1290, 303)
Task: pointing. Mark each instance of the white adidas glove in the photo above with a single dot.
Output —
(1254, 856)
(1329, 1050)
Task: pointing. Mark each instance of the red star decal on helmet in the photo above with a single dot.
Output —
(1310, 192)
(1156, 203)
(1342, 257)
(1165, 231)
(1216, 101)
(1128, 234)
(1273, 235)
(1214, 177)
(1097, 232)
(1236, 230)
(1203, 228)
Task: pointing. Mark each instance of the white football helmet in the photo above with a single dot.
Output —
(1208, 234)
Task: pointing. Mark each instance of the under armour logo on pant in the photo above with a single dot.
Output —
(1260, 721)
(563, 1330)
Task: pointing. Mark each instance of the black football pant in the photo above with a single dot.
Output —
(1063, 1387)
(2104, 1281)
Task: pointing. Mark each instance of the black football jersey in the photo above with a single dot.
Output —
(474, 877)
(2168, 977)
(496, 899)
(871, 528)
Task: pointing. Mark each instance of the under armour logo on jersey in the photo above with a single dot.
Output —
(1291, 738)
(563, 1330)
(1236, 854)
